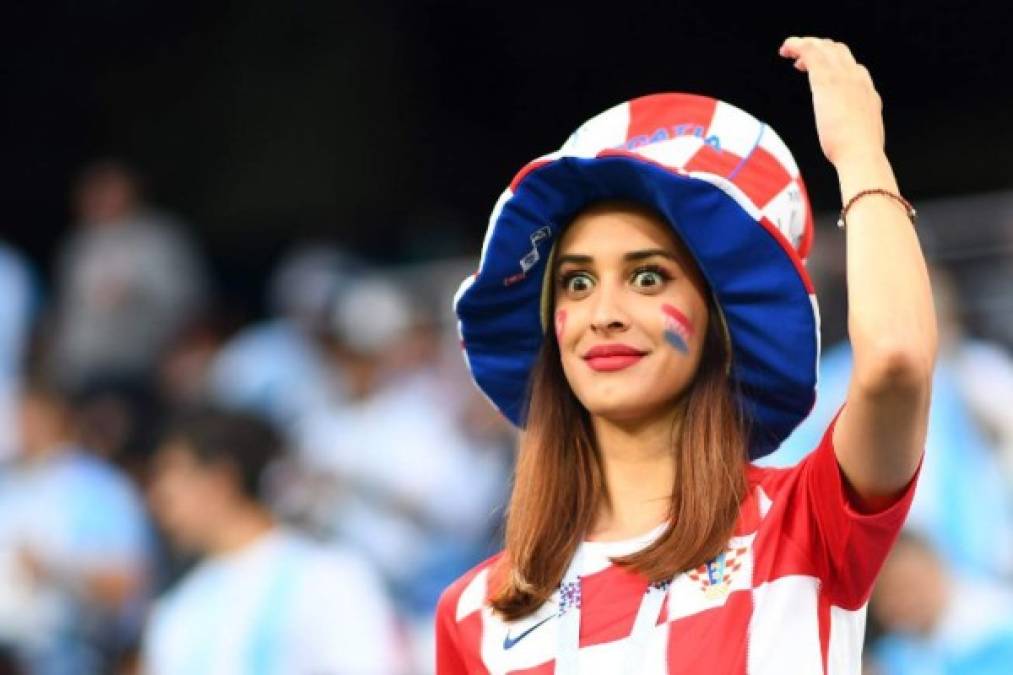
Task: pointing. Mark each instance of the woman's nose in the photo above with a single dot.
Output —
(608, 314)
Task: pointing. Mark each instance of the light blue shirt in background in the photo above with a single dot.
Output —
(962, 504)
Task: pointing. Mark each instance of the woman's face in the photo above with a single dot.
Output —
(630, 313)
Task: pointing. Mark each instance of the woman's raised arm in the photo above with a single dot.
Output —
(891, 321)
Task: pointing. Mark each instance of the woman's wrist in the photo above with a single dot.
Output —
(863, 170)
(861, 159)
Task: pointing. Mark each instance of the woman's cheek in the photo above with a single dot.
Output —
(560, 321)
(678, 329)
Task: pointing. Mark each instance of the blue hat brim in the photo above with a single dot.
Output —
(762, 289)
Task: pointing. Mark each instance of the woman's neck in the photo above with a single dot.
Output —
(639, 475)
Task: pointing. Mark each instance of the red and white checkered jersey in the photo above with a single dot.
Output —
(787, 597)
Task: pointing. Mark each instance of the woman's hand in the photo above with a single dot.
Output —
(849, 117)
(879, 436)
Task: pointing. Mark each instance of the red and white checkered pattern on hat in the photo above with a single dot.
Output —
(707, 139)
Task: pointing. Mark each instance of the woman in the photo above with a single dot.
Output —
(664, 245)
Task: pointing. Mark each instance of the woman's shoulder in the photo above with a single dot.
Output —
(768, 478)
(768, 487)
(470, 591)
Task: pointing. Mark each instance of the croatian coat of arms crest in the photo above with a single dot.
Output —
(715, 577)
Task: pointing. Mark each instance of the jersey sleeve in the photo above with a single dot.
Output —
(449, 659)
(459, 623)
(846, 545)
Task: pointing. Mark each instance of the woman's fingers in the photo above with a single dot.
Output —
(819, 54)
(845, 52)
(847, 108)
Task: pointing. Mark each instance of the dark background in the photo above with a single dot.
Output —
(393, 126)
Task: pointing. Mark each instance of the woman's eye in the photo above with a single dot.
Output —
(577, 284)
(648, 278)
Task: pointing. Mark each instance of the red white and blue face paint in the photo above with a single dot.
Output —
(560, 323)
(678, 329)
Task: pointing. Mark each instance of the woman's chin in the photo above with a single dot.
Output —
(624, 410)
(629, 399)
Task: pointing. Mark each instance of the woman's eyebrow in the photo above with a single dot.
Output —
(650, 253)
(632, 256)
(575, 259)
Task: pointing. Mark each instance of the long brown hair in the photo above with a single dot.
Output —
(559, 482)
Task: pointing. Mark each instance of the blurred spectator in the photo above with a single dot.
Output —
(15, 314)
(984, 374)
(283, 368)
(264, 599)
(127, 280)
(184, 369)
(384, 459)
(936, 623)
(73, 547)
(116, 419)
(973, 235)
(963, 502)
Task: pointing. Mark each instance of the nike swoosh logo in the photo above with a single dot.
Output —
(509, 643)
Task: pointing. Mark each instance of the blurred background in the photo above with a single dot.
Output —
(236, 432)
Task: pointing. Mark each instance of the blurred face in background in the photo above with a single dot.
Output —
(44, 423)
(189, 498)
(910, 594)
(630, 312)
(105, 194)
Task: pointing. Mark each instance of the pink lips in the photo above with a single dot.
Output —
(608, 358)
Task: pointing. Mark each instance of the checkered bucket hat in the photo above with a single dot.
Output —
(728, 187)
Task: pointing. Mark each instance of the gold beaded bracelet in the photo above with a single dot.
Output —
(911, 213)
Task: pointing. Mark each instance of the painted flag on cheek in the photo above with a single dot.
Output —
(678, 328)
